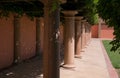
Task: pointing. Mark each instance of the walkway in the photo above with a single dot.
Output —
(91, 65)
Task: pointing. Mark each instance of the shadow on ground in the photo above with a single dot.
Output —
(31, 68)
(28, 69)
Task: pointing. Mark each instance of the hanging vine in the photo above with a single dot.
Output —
(86, 8)
(31, 8)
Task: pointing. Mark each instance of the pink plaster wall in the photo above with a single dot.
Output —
(6, 42)
(94, 31)
(27, 38)
(106, 32)
(42, 33)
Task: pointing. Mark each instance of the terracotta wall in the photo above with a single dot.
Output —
(42, 33)
(94, 31)
(6, 42)
(27, 38)
(106, 32)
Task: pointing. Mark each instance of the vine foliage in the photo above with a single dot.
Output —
(86, 8)
(109, 11)
(31, 8)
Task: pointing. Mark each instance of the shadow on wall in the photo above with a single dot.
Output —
(6, 42)
(27, 40)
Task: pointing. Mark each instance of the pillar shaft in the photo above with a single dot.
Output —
(51, 41)
(69, 38)
(87, 33)
(90, 34)
(39, 35)
(16, 38)
(78, 33)
(83, 34)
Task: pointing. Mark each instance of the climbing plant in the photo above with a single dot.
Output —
(30, 8)
(86, 8)
(109, 11)
(35, 8)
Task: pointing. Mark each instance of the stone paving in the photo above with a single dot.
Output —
(91, 65)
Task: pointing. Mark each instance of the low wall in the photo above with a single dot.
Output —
(94, 31)
(105, 32)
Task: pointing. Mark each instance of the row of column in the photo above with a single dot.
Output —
(77, 35)
(51, 40)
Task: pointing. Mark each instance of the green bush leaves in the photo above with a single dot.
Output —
(109, 10)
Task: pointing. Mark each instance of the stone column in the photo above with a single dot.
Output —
(99, 28)
(16, 38)
(69, 39)
(51, 40)
(87, 33)
(78, 33)
(90, 33)
(83, 35)
(39, 35)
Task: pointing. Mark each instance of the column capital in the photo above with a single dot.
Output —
(69, 12)
(39, 18)
(78, 18)
(86, 23)
(84, 20)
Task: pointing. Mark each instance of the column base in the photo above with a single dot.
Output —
(83, 50)
(68, 66)
(78, 56)
(88, 42)
(86, 46)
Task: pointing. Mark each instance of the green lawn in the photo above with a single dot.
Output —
(114, 56)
